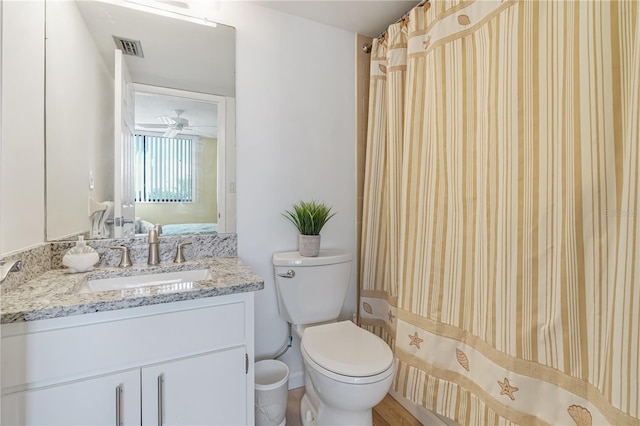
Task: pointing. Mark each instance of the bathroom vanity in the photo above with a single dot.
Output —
(161, 353)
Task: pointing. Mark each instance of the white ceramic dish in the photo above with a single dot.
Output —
(80, 262)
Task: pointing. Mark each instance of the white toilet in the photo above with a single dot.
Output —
(347, 369)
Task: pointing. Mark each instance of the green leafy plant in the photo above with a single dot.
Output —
(309, 216)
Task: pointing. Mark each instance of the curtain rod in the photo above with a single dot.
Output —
(367, 46)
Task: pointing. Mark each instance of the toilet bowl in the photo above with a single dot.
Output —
(348, 370)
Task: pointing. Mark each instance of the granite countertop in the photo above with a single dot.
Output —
(55, 293)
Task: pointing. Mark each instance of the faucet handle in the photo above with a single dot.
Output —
(125, 260)
(153, 236)
(179, 256)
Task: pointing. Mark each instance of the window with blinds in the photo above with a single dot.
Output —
(164, 169)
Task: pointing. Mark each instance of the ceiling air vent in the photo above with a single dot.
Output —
(129, 47)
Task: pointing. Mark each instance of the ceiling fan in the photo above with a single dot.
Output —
(173, 125)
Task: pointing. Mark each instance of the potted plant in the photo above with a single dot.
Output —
(309, 217)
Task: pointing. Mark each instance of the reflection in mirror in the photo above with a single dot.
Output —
(177, 54)
(176, 151)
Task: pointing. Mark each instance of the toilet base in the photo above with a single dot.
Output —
(308, 414)
(324, 416)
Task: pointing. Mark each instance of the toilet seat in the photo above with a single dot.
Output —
(350, 380)
(347, 350)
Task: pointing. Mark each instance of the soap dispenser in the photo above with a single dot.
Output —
(80, 258)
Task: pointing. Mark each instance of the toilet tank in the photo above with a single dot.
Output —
(311, 289)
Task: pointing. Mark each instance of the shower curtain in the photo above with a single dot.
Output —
(500, 256)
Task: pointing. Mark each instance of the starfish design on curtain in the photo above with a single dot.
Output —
(507, 389)
(415, 340)
(427, 42)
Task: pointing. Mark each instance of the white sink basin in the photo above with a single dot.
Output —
(163, 279)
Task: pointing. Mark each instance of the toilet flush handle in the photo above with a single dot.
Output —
(289, 274)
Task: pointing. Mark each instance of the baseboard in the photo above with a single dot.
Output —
(424, 416)
(296, 380)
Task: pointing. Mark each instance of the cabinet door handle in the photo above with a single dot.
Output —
(118, 406)
(160, 383)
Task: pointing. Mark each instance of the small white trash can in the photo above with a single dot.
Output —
(272, 387)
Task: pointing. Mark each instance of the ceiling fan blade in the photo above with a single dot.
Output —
(204, 125)
(166, 120)
(170, 133)
(151, 125)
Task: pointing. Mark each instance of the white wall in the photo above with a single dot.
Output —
(295, 140)
(22, 148)
(79, 108)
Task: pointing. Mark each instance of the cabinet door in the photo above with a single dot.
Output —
(95, 401)
(207, 389)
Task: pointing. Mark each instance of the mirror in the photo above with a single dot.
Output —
(184, 84)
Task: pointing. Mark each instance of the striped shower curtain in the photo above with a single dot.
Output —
(500, 255)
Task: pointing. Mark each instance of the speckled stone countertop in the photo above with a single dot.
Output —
(56, 294)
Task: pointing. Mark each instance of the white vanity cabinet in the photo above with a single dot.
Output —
(173, 394)
(104, 400)
(176, 363)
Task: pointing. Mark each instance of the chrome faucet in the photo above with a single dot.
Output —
(179, 254)
(154, 247)
(7, 267)
(125, 259)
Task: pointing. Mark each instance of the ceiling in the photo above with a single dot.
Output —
(177, 53)
(202, 116)
(369, 18)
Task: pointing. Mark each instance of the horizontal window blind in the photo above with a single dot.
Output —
(164, 169)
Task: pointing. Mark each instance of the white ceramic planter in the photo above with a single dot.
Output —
(309, 245)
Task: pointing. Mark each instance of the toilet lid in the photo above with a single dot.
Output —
(344, 348)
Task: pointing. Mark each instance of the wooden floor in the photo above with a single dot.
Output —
(387, 413)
